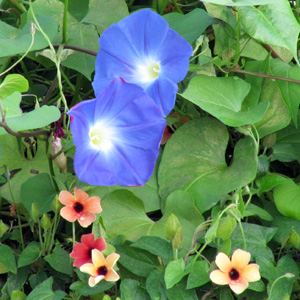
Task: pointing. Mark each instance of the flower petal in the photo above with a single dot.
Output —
(250, 272)
(66, 198)
(86, 219)
(69, 213)
(112, 275)
(219, 277)
(98, 258)
(100, 244)
(81, 261)
(223, 262)
(112, 259)
(89, 269)
(93, 280)
(238, 286)
(79, 251)
(240, 259)
(93, 205)
(80, 195)
(88, 240)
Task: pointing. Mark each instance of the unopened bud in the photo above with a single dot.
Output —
(56, 205)
(35, 212)
(17, 295)
(46, 222)
(61, 159)
(106, 297)
(177, 241)
(32, 28)
(171, 227)
(269, 140)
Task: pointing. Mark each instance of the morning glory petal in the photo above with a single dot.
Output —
(117, 136)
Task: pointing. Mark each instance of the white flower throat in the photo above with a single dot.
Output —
(101, 137)
(149, 71)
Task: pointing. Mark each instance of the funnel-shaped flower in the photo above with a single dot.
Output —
(101, 268)
(142, 49)
(117, 136)
(79, 207)
(237, 272)
(82, 252)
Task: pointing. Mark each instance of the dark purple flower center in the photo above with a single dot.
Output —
(78, 207)
(90, 253)
(102, 271)
(234, 274)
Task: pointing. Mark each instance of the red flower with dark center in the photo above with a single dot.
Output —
(82, 252)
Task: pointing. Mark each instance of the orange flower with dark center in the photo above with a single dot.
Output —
(79, 207)
(236, 272)
(101, 267)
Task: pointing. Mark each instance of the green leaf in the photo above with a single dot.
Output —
(44, 292)
(135, 222)
(226, 227)
(17, 281)
(29, 255)
(256, 237)
(289, 90)
(223, 97)
(174, 272)
(37, 118)
(269, 181)
(11, 105)
(59, 260)
(13, 83)
(7, 258)
(194, 160)
(199, 275)
(104, 13)
(191, 25)
(3, 228)
(254, 210)
(137, 261)
(155, 285)
(287, 199)
(44, 192)
(132, 289)
(179, 292)
(156, 246)
(83, 288)
(14, 160)
(15, 41)
(182, 205)
(286, 148)
(268, 23)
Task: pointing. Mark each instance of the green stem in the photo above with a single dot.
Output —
(14, 202)
(65, 23)
(243, 234)
(237, 46)
(178, 9)
(286, 275)
(73, 233)
(41, 238)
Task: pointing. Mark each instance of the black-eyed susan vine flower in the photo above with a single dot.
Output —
(236, 272)
(101, 267)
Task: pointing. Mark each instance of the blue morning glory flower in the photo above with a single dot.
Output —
(117, 136)
(142, 49)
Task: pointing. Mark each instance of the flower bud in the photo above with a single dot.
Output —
(61, 159)
(171, 227)
(269, 140)
(46, 222)
(32, 28)
(56, 205)
(18, 295)
(177, 241)
(35, 212)
(106, 297)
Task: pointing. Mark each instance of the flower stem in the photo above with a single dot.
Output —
(242, 233)
(73, 233)
(65, 23)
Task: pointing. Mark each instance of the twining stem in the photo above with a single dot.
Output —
(76, 48)
(242, 233)
(237, 70)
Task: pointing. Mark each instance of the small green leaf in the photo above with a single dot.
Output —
(199, 275)
(44, 291)
(287, 199)
(7, 258)
(174, 272)
(59, 260)
(83, 288)
(13, 83)
(269, 181)
(29, 255)
(132, 289)
(226, 227)
(223, 97)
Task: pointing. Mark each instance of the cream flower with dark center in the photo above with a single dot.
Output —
(101, 267)
(236, 272)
